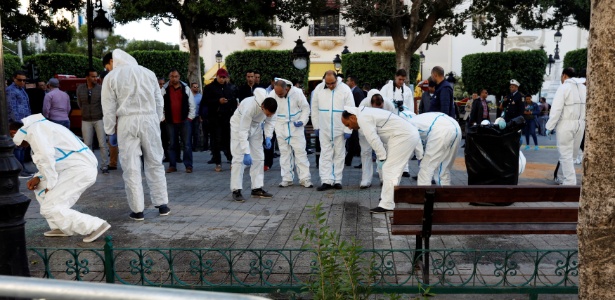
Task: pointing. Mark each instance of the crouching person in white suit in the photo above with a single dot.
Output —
(67, 167)
(392, 138)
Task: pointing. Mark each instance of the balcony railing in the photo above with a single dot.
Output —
(384, 32)
(327, 30)
(277, 32)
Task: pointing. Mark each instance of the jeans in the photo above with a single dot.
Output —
(87, 130)
(196, 133)
(206, 136)
(542, 124)
(20, 154)
(65, 123)
(530, 129)
(221, 140)
(183, 130)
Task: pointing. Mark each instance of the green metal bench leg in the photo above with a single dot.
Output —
(533, 296)
(426, 262)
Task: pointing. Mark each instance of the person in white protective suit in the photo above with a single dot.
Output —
(66, 168)
(328, 103)
(567, 116)
(391, 137)
(397, 90)
(247, 141)
(292, 115)
(131, 99)
(440, 135)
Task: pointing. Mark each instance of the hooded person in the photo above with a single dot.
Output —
(390, 136)
(440, 135)
(292, 115)
(327, 105)
(398, 91)
(567, 118)
(405, 113)
(67, 167)
(132, 102)
(247, 129)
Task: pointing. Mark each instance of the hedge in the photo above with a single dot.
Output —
(11, 65)
(493, 71)
(268, 62)
(576, 59)
(161, 62)
(376, 68)
(60, 63)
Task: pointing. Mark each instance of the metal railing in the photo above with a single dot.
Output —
(270, 270)
(327, 30)
(277, 32)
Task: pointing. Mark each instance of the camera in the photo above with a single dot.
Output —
(399, 104)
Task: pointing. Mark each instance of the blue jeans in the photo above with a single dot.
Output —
(20, 154)
(530, 129)
(65, 123)
(183, 130)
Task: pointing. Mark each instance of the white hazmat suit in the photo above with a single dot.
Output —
(567, 117)
(406, 93)
(440, 135)
(327, 108)
(131, 94)
(392, 138)
(291, 139)
(247, 138)
(67, 167)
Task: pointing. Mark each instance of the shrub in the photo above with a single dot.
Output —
(268, 62)
(161, 62)
(376, 68)
(11, 65)
(576, 59)
(59, 63)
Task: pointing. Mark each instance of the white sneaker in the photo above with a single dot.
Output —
(285, 183)
(55, 233)
(306, 183)
(97, 233)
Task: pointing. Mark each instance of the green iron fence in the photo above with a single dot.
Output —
(283, 270)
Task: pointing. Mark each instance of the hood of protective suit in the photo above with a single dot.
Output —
(575, 80)
(371, 94)
(353, 110)
(121, 58)
(260, 94)
(23, 131)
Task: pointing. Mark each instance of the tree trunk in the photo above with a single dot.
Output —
(194, 62)
(596, 229)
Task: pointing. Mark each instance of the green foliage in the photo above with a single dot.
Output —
(268, 62)
(10, 47)
(150, 45)
(338, 269)
(42, 17)
(11, 64)
(576, 59)
(376, 68)
(79, 44)
(493, 71)
(56, 63)
(161, 62)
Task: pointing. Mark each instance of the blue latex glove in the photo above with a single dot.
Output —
(113, 140)
(346, 136)
(267, 144)
(247, 159)
(549, 133)
(501, 124)
(298, 124)
(503, 113)
(381, 163)
(419, 162)
(316, 132)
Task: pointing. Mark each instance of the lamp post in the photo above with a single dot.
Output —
(13, 204)
(558, 38)
(422, 56)
(99, 27)
(337, 63)
(219, 58)
(551, 62)
(346, 51)
(300, 55)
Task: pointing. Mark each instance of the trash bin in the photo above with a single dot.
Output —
(492, 155)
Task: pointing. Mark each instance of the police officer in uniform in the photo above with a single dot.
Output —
(514, 106)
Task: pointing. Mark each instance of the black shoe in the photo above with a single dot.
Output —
(433, 181)
(324, 187)
(337, 186)
(238, 197)
(309, 152)
(363, 187)
(464, 145)
(210, 162)
(413, 157)
(260, 193)
(105, 171)
(111, 168)
(415, 177)
(359, 166)
(137, 216)
(165, 160)
(405, 174)
(379, 210)
(163, 210)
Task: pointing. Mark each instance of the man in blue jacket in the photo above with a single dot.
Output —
(442, 99)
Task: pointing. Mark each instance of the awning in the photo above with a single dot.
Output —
(317, 70)
(210, 75)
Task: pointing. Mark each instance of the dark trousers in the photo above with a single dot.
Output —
(352, 147)
(196, 133)
(221, 140)
(164, 137)
(177, 131)
(269, 152)
(530, 129)
(206, 136)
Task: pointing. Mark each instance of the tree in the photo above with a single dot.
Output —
(79, 44)
(150, 45)
(200, 17)
(11, 47)
(42, 17)
(596, 229)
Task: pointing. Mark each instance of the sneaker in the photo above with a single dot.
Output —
(337, 186)
(218, 168)
(97, 233)
(379, 210)
(285, 183)
(105, 171)
(137, 216)
(171, 170)
(363, 187)
(188, 169)
(164, 210)
(306, 183)
(536, 148)
(527, 147)
(238, 197)
(112, 168)
(260, 193)
(55, 233)
(324, 187)
(405, 174)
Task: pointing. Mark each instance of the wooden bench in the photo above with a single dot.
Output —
(428, 219)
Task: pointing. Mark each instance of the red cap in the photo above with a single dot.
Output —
(222, 73)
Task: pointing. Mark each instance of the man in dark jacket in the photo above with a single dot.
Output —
(442, 100)
(179, 110)
(219, 97)
(247, 90)
(426, 97)
(515, 106)
(480, 109)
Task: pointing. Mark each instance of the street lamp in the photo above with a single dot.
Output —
(558, 38)
(346, 51)
(100, 27)
(219, 58)
(422, 56)
(300, 55)
(551, 62)
(337, 63)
